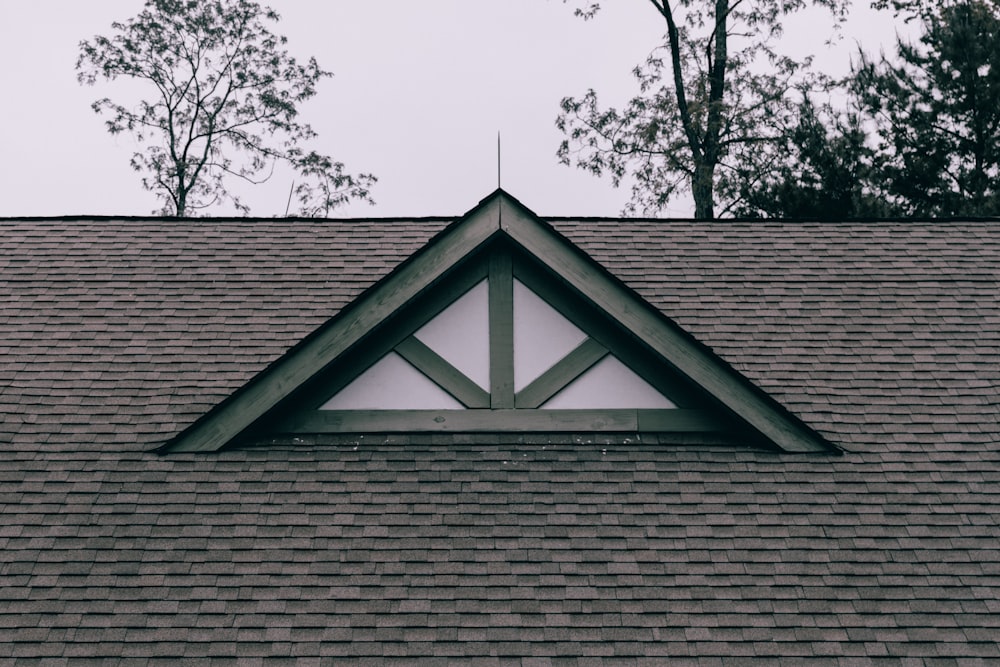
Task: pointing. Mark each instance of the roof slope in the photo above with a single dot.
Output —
(567, 550)
(871, 331)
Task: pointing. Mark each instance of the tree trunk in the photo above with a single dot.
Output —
(703, 189)
(704, 145)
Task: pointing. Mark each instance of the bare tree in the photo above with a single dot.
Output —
(716, 95)
(224, 104)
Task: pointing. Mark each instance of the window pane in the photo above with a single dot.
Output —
(609, 384)
(460, 334)
(392, 384)
(542, 336)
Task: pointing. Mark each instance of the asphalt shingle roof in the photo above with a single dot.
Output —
(569, 550)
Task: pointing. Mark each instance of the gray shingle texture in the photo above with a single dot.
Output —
(561, 551)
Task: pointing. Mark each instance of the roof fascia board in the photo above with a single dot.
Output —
(666, 338)
(231, 417)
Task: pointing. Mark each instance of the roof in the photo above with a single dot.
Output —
(565, 549)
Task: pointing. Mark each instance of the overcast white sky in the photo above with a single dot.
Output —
(419, 93)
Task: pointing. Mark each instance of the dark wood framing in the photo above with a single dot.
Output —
(501, 421)
(446, 376)
(501, 239)
(739, 396)
(555, 379)
(501, 331)
(501, 409)
(396, 335)
(605, 333)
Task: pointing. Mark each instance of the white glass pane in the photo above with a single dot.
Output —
(461, 334)
(608, 384)
(392, 384)
(542, 336)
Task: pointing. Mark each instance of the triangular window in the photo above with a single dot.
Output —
(500, 346)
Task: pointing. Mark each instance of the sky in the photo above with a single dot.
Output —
(420, 91)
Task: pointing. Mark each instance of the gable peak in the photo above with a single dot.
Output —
(499, 226)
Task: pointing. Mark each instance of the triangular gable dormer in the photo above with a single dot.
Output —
(499, 324)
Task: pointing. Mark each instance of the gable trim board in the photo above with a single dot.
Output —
(499, 217)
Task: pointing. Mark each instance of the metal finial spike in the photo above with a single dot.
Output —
(498, 159)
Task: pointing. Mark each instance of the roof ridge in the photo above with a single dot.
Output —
(201, 221)
(791, 221)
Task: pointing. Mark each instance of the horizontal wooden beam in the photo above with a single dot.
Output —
(501, 421)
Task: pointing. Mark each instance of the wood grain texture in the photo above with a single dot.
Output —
(302, 363)
(632, 352)
(727, 386)
(572, 269)
(501, 307)
(564, 371)
(499, 421)
(442, 373)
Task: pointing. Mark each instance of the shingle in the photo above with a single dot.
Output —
(116, 334)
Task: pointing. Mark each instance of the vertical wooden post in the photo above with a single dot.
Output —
(501, 331)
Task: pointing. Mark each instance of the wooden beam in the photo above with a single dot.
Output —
(362, 330)
(499, 421)
(501, 308)
(385, 338)
(567, 369)
(628, 349)
(681, 421)
(442, 373)
(230, 418)
(665, 338)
